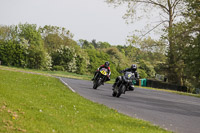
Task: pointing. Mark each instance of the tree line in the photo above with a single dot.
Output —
(53, 48)
(180, 33)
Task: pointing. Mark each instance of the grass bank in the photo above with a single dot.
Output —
(84, 77)
(42, 104)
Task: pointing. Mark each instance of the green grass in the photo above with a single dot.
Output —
(42, 104)
(87, 77)
(54, 73)
(173, 91)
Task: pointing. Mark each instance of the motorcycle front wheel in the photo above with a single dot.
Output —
(94, 85)
(97, 83)
(120, 91)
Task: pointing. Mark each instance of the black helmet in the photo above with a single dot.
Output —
(133, 67)
(107, 64)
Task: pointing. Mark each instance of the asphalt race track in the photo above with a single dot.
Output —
(178, 113)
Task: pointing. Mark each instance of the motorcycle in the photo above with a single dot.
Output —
(100, 78)
(124, 84)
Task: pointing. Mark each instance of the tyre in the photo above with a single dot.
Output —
(120, 91)
(114, 94)
(95, 84)
(118, 94)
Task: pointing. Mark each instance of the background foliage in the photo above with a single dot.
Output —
(53, 48)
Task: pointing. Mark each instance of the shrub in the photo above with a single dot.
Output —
(58, 68)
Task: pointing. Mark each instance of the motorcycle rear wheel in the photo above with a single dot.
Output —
(120, 91)
(114, 94)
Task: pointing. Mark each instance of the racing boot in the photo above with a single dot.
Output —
(131, 88)
(114, 85)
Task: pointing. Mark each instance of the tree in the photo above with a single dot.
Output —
(147, 67)
(31, 33)
(52, 42)
(95, 44)
(13, 54)
(54, 37)
(186, 45)
(38, 58)
(86, 45)
(104, 45)
(188, 34)
(170, 10)
(65, 57)
(117, 57)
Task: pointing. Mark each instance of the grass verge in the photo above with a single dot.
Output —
(42, 104)
(85, 77)
(173, 91)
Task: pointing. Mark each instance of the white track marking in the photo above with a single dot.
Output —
(67, 85)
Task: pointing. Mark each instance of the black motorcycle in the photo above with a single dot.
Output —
(124, 84)
(100, 78)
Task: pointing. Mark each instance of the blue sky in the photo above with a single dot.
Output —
(86, 19)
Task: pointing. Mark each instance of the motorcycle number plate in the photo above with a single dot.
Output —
(104, 72)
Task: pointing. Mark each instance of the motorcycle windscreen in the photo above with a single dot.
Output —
(104, 71)
(129, 76)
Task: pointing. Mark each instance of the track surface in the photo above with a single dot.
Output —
(178, 113)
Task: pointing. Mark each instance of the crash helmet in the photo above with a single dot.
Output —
(133, 67)
(106, 64)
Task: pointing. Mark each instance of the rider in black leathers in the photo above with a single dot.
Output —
(132, 69)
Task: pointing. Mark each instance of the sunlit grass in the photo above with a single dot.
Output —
(42, 104)
(86, 77)
(172, 91)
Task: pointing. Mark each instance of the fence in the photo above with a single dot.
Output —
(164, 85)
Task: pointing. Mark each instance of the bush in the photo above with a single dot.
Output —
(142, 73)
(65, 57)
(38, 58)
(13, 54)
(58, 68)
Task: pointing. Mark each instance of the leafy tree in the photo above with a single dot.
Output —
(65, 57)
(81, 64)
(86, 45)
(62, 32)
(193, 52)
(148, 68)
(133, 53)
(95, 44)
(54, 37)
(104, 45)
(6, 32)
(97, 58)
(38, 58)
(31, 33)
(13, 54)
(117, 57)
(142, 73)
(150, 45)
(169, 10)
(187, 35)
(52, 42)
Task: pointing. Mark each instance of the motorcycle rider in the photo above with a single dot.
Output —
(106, 65)
(132, 69)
